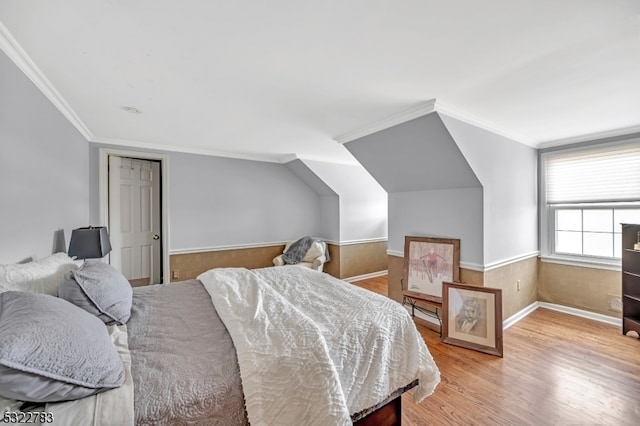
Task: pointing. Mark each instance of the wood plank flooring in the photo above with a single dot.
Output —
(557, 369)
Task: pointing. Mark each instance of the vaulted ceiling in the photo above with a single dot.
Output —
(265, 80)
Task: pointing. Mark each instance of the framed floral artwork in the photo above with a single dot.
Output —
(428, 262)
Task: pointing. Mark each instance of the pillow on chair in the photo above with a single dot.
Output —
(316, 250)
(315, 257)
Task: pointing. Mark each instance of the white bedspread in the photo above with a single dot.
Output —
(314, 348)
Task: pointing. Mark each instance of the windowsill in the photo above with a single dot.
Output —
(612, 265)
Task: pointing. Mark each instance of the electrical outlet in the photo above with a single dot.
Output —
(176, 274)
(518, 285)
(615, 303)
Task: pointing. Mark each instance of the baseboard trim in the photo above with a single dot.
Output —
(560, 308)
(366, 276)
(581, 313)
(519, 315)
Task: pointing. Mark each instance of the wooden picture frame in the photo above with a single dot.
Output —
(429, 262)
(472, 317)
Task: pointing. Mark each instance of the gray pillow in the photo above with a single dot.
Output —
(99, 289)
(53, 351)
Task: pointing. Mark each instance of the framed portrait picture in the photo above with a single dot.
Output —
(428, 262)
(472, 317)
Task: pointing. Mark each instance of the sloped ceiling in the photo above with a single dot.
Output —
(417, 155)
(311, 178)
(265, 80)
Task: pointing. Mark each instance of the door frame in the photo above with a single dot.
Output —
(103, 185)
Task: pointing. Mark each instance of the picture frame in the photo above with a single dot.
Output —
(472, 317)
(429, 262)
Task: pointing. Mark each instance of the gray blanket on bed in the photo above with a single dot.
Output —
(183, 361)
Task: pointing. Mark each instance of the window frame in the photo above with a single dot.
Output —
(547, 213)
(586, 258)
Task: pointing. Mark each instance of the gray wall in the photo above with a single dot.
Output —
(508, 173)
(220, 202)
(329, 200)
(444, 213)
(43, 169)
(432, 189)
(362, 202)
(496, 177)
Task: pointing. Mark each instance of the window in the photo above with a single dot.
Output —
(591, 231)
(587, 193)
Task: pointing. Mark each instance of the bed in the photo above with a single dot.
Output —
(279, 345)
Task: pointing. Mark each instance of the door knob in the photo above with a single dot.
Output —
(156, 236)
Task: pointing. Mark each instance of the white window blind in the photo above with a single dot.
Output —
(594, 175)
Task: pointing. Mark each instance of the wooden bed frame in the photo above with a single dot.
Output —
(387, 413)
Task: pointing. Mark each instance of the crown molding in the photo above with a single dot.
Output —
(425, 108)
(292, 157)
(419, 110)
(289, 158)
(482, 124)
(209, 152)
(181, 149)
(14, 51)
(590, 137)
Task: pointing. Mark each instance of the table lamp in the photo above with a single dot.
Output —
(89, 243)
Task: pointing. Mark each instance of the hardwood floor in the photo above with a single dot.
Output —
(557, 369)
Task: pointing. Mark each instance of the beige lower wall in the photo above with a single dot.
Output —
(470, 276)
(333, 266)
(190, 265)
(346, 261)
(395, 272)
(363, 258)
(504, 278)
(578, 287)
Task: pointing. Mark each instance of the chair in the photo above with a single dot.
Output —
(315, 258)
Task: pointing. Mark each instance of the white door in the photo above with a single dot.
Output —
(134, 218)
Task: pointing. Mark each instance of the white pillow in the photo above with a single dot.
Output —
(39, 276)
(316, 250)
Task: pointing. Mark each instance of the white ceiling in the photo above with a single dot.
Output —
(268, 79)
